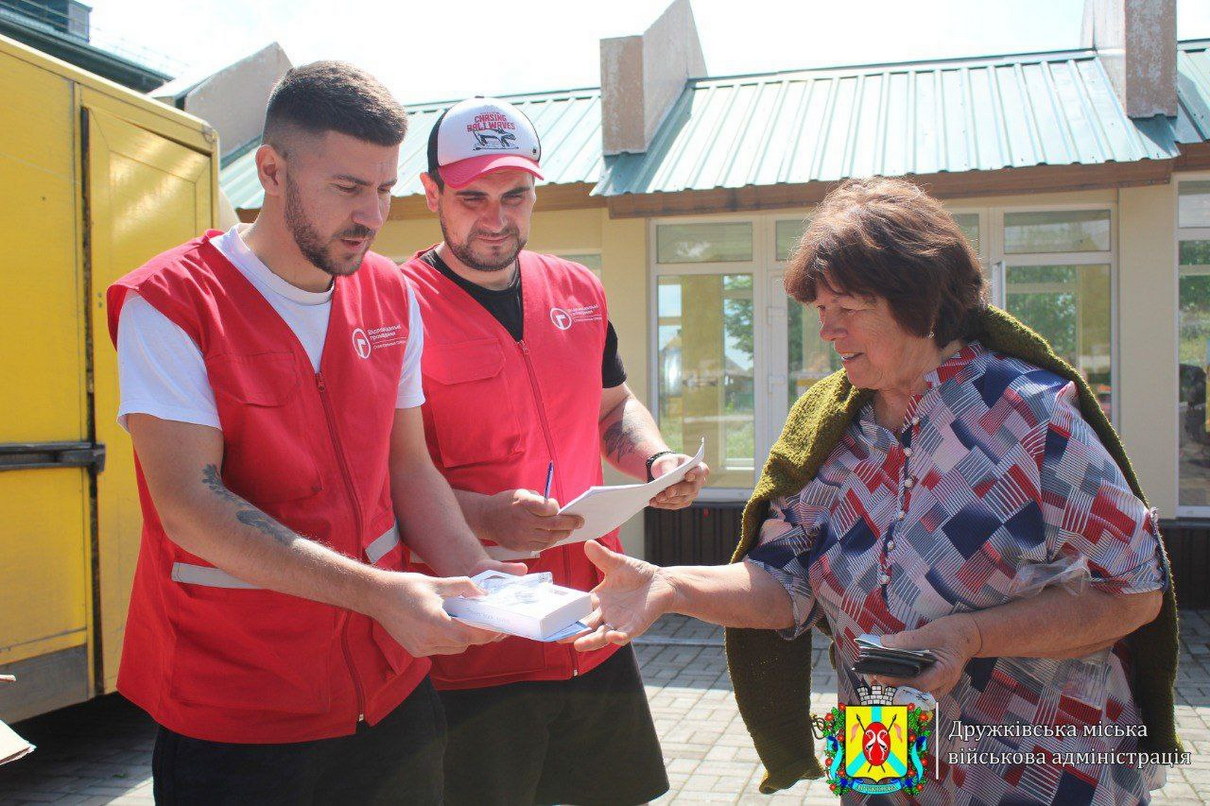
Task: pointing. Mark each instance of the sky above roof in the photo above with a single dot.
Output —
(448, 50)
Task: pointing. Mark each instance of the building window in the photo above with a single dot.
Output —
(1193, 205)
(1194, 351)
(810, 357)
(1193, 334)
(1058, 279)
(1062, 231)
(706, 371)
(787, 232)
(969, 223)
(1070, 306)
(704, 243)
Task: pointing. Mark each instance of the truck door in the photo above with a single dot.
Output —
(93, 186)
(146, 194)
(45, 440)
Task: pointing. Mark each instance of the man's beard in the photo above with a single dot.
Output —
(314, 246)
(463, 251)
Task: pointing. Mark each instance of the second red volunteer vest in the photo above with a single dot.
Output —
(206, 654)
(497, 411)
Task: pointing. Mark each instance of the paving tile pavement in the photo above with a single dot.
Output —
(100, 752)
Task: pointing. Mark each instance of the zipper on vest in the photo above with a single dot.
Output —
(344, 646)
(348, 479)
(533, 383)
(550, 447)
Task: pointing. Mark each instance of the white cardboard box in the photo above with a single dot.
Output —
(530, 606)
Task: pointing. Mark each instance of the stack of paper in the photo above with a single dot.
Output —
(530, 606)
(606, 508)
(12, 746)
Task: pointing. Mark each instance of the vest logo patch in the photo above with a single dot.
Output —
(361, 343)
(560, 318)
(365, 342)
(564, 318)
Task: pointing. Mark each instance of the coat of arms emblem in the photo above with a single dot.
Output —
(878, 746)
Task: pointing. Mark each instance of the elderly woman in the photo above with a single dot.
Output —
(926, 494)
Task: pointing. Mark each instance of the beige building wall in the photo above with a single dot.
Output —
(1147, 338)
(399, 239)
(624, 257)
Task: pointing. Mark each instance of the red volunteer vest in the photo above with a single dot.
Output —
(206, 654)
(497, 411)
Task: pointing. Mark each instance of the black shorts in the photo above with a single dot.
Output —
(397, 761)
(588, 740)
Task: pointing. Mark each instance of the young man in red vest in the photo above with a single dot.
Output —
(521, 370)
(270, 384)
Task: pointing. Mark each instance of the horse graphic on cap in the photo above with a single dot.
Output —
(500, 140)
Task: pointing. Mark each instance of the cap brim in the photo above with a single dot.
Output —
(462, 173)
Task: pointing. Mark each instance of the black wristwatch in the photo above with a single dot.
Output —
(651, 460)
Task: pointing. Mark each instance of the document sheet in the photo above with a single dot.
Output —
(606, 508)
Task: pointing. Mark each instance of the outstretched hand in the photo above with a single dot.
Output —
(629, 599)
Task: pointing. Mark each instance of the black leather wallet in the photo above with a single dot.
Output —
(890, 667)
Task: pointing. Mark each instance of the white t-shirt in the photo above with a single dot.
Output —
(161, 371)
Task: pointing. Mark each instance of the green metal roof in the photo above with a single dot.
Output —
(894, 120)
(824, 125)
(1193, 91)
(568, 122)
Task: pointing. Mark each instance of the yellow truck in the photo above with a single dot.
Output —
(94, 180)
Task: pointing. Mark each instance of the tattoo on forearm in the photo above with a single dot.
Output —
(263, 523)
(214, 482)
(246, 514)
(621, 438)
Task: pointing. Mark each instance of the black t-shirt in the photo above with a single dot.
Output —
(505, 305)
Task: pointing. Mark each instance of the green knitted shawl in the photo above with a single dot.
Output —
(772, 676)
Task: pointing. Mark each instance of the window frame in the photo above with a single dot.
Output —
(770, 311)
(998, 262)
(763, 249)
(1183, 234)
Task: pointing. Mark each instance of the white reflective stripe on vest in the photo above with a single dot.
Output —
(207, 575)
(383, 544)
(218, 578)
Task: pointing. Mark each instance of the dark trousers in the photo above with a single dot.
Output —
(397, 761)
(589, 741)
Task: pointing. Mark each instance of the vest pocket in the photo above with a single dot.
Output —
(396, 656)
(253, 649)
(470, 402)
(268, 454)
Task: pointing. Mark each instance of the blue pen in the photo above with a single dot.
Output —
(550, 476)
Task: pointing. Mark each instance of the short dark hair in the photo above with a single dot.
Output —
(334, 96)
(888, 238)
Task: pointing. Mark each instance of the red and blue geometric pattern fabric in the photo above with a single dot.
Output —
(993, 483)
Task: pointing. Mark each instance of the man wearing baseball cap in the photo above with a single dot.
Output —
(521, 373)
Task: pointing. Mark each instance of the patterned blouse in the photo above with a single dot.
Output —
(993, 481)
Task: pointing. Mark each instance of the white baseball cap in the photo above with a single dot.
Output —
(481, 135)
